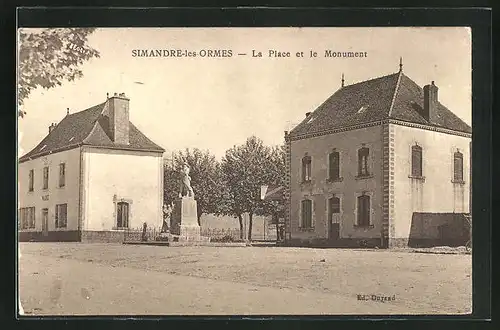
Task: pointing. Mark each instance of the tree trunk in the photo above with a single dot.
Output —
(250, 219)
(199, 212)
(277, 228)
(240, 219)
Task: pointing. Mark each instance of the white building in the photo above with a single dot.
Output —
(93, 176)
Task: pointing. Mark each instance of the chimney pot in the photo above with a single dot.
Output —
(107, 95)
(430, 102)
(51, 127)
(67, 111)
(119, 119)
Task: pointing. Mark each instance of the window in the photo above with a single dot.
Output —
(334, 166)
(31, 180)
(306, 169)
(61, 215)
(27, 217)
(363, 154)
(416, 161)
(122, 215)
(306, 213)
(62, 175)
(458, 167)
(45, 178)
(363, 211)
(333, 207)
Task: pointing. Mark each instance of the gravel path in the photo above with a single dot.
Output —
(99, 279)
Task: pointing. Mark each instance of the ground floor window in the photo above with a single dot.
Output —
(27, 217)
(61, 215)
(122, 214)
(363, 211)
(306, 214)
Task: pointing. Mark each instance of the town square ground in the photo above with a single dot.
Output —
(115, 279)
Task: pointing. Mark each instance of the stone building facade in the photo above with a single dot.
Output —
(366, 165)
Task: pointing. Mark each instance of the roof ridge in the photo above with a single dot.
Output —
(396, 90)
(96, 122)
(376, 78)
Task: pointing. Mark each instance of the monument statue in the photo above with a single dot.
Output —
(184, 225)
(185, 183)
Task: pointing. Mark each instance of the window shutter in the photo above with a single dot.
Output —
(360, 162)
(367, 153)
(359, 211)
(125, 207)
(367, 210)
(62, 170)
(119, 215)
(334, 172)
(458, 166)
(57, 216)
(301, 217)
(416, 160)
(303, 170)
(65, 215)
(313, 220)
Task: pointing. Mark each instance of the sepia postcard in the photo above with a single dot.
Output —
(244, 171)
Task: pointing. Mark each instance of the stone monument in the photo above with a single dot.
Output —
(184, 219)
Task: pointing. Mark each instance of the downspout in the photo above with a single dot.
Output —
(80, 196)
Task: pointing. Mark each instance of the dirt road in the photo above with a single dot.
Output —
(79, 279)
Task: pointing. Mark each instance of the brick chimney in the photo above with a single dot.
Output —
(118, 105)
(307, 114)
(430, 102)
(51, 127)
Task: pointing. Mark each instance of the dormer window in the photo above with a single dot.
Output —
(311, 120)
(362, 109)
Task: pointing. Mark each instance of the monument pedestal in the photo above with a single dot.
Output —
(184, 221)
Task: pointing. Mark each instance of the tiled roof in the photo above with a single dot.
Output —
(88, 127)
(393, 96)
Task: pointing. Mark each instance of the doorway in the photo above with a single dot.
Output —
(45, 222)
(122, 215)
(334, 218)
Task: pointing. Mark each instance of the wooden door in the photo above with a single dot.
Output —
(334, 218)
(45, 222)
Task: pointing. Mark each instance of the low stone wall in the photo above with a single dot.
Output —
(52, 236)
(339, 243)
(103, 236)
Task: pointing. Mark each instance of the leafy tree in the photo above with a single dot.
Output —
(245, 168)
(170, 181)
(205, 179)
(49, 57)
(277, 174)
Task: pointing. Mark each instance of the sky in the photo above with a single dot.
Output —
(216, 103)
